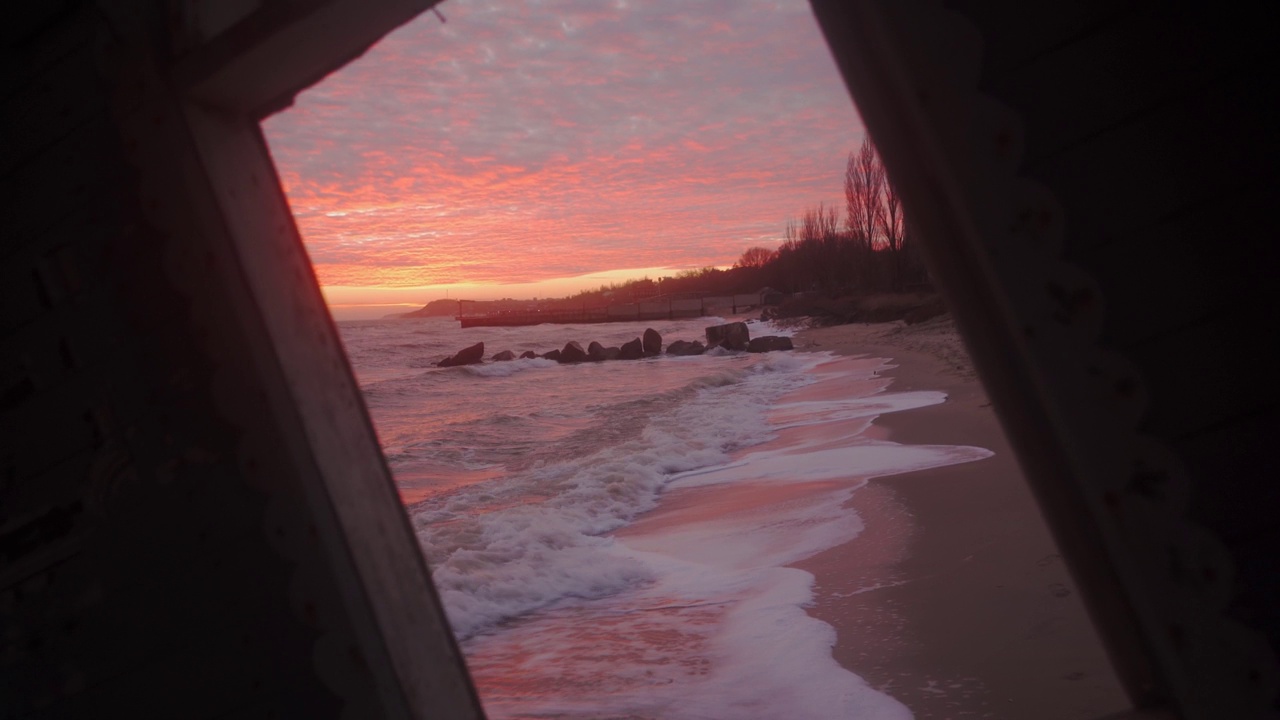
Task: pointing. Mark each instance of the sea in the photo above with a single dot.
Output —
(616, 539)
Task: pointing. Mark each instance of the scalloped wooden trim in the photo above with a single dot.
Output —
(1114, 497)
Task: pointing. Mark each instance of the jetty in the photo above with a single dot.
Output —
(656, 308)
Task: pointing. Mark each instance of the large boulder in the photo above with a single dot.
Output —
(572, 352)
(503, 356)
(528, 355)
(652, 342)
(552, 355)
(684, 347)
(730, 336)
(465, 356)
(769, 343)
(633, 350)
(599, 353)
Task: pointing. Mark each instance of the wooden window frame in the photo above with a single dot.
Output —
(962, 172)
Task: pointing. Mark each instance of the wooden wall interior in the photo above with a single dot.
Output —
(1093, 181)
(195, 520)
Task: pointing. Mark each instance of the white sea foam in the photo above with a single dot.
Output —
(816, 412)
(508, 368)
(760, 328)
(773, 659)
(778, 661)
(692, 620)
(503, 549)
(720, 632)
(866, 459)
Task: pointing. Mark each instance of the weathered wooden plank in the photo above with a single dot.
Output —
(48, 428)
(1017, 33)
(48, 32)
(37, 283)
(1099, 82)
(1237, 501)
(257, 65)
(1107, 62)
(1155, 166)
(189, 608)
(49, 337)
(93, 229)
(20, 300)
(29, 497)
(347, 486)
(910, 95)
(82, 173)
(1183, 269)
(67, 95)
(1195, 379)
(194, 550)
(1242, 448)
(31, 550)
(189, 682)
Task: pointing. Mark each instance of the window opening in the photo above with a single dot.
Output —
(832, 532)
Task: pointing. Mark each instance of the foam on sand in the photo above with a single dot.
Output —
(719, 628)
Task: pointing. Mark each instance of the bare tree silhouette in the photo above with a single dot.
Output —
(754, 257)
(893, 230)
(864, 196)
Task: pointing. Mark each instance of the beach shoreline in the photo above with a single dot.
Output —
(953, 599)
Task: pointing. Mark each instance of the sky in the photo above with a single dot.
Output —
(531, 148)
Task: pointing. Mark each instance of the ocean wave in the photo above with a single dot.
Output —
(515, 545)
(507, 369)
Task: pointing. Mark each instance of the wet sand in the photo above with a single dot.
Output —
(954, 599)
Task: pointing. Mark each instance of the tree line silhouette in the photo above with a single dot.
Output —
(868, 250)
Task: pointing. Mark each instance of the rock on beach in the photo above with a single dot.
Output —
(652, 342)
(730, 336)
(572, 352)
(466, 356)
(633, 350)
(685, 347)
(769, 343)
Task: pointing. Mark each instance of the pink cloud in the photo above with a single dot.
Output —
(519, 143)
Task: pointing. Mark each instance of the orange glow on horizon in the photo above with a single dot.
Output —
(371, 301)
(520, 147)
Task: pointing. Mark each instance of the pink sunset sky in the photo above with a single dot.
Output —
(535, 147)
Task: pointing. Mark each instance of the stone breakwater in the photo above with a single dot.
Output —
(731, 336)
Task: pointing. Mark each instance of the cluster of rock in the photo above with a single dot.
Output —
(732, 336)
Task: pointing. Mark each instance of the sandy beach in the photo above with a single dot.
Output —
(954, 599)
